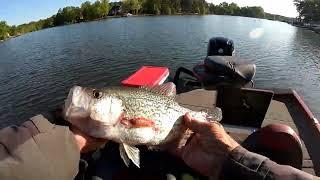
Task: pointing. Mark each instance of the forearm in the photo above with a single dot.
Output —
(247, 165)
(38, 150)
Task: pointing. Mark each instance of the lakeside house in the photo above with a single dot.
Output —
(115, 10)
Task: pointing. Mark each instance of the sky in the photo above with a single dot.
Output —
(17, 12)
(281, 7)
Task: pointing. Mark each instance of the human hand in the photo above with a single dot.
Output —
(208, 148)
(85, 142)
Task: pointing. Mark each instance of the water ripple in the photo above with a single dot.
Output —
(37, 69)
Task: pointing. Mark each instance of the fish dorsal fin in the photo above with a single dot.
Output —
(129, 152)
(167, 89)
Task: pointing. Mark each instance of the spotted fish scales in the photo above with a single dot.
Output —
(130, 116)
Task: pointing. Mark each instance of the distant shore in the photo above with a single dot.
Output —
(85, 21)
(122, 16)
(99, 10)
(314, 28)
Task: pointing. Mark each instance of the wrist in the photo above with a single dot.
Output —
(232, 145)
(225, 155)
(218, 167)
(85, 142)
(81, 142)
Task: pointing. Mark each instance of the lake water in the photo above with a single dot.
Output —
(38, 69)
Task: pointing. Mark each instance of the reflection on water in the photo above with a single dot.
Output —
(37, 69)
(256, 33)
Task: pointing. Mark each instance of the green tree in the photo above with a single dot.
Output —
(70, 14)
(202, 6)
(225, 9)
(151, 6)
(175, 6)
(13, 31)
(132, 6)
(234, 9)
(104, 8)
(165, 7)
(97, 11)
(58, 18)
(309, 10)
(186, 6)
(100, 9)
(49, 22)
(4, 30)
(256, 12)
(212, 8)
(87, 11)
(195, 6)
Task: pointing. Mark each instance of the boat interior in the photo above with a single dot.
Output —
(275, 123)
(246, 110)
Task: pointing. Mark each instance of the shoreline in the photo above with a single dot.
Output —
(313, 28)
(84, 21)
(123, 16)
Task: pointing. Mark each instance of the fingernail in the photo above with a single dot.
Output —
(187, 116)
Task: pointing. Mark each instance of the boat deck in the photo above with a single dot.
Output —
(283, 109)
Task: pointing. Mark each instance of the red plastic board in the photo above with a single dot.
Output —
(147, 76)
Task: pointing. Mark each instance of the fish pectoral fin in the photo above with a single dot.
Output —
(154, 148)
(132, 153)
(141, 122)
(124, 155)
(137, 122)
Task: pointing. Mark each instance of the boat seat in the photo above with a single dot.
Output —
(230, 66)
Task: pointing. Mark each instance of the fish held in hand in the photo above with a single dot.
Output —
(130, 116)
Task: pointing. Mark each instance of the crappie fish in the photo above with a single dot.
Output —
(130, 116)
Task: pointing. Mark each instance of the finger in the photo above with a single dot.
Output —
(189, 149)
(175, 146)
(195, 125)
(176, 151)
(87, 137)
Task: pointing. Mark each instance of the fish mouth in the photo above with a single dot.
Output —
(92, 127)
(77, 103)
(80, 112)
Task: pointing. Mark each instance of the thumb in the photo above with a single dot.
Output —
(195, 125)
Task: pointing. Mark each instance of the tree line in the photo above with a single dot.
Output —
(68, 15)
(101, 9)
(168, 7)
(309, 10)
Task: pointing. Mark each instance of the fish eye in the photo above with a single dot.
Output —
(96, 94)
